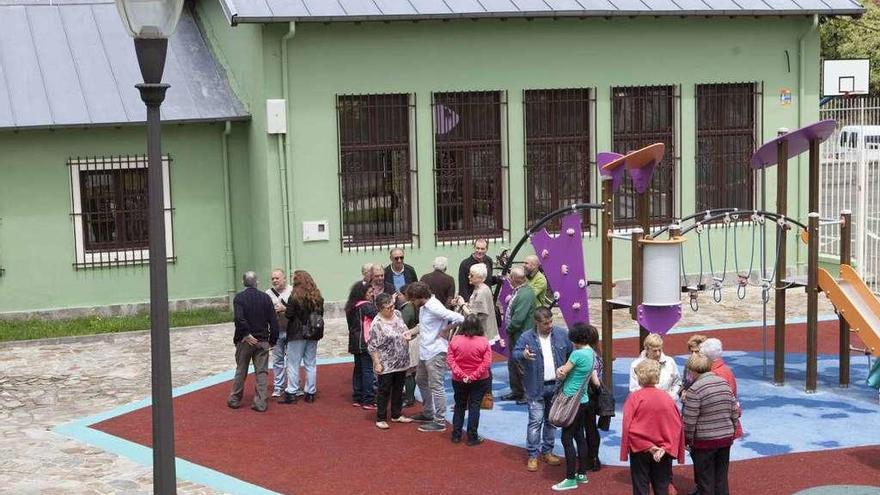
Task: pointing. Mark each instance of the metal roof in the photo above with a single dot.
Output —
(72, 64)
(241, 11)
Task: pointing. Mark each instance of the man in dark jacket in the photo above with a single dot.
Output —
(541, 351)
(478, 256)
(398, 272)
(520, 317)
(441, 284)
(256, 331)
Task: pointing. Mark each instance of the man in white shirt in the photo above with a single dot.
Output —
(670, 380)
(280, 294)
(434, 320)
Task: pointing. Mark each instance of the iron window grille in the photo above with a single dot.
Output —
(640, 116)
(727, 127)
(559, 151)
(468, 165)
(110, 210)
(376, 169)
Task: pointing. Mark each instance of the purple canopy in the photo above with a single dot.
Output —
(604, 158)
(798, 142)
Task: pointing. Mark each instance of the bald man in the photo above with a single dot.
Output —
(537, 281)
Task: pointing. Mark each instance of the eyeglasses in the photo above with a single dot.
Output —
(398, 258)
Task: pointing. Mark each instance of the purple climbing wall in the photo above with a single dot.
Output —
(562, 258)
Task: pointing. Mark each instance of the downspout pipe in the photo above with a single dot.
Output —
(284, 152)
(227, 212)
(802, 77)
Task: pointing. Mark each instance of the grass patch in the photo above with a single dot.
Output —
(90, 325)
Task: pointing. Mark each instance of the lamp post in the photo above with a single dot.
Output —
(150, 23)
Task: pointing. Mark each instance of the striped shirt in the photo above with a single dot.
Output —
(710, 413)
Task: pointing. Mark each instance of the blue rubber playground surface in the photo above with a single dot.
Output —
(776, 419)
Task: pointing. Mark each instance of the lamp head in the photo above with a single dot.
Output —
(150, 18)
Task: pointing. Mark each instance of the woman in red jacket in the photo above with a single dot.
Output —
(652, 433)
(469, 357)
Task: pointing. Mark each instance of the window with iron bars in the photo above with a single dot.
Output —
(109, 198)
(640, 116)
(376, 169)
(468, 164)
(559, 157)
(726, 136)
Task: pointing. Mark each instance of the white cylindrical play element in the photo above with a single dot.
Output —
(661, 272)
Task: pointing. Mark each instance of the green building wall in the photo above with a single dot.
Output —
(36, 230)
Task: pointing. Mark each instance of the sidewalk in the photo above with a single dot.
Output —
(45, 384)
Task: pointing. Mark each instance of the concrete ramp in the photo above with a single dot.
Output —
(856, 303)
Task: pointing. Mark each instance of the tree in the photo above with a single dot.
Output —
(844, 37)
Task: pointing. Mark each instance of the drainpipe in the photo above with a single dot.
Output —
(284, 153)
(227, 212)
(802, 76)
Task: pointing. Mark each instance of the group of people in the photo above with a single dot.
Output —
(406, 333)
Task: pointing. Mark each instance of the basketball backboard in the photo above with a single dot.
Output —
(845, 77)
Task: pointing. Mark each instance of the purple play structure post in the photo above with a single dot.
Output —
(504, 296)
(562, 258)
(659, 319)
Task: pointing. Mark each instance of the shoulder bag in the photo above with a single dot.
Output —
(565, 408)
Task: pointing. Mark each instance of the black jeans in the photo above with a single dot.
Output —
(591, 431)
(390, 384)
(573, 434)
(468, 395)
(710, 470)
(647, 474)
(515, 371)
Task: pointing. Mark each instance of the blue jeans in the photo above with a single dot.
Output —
(305, 352)
(363, 379)
(541, 435)
(279, 352)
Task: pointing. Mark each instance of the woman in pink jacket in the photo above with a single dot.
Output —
(469, 357)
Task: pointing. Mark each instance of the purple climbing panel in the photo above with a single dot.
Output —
(504, 299)
(659, 319)
(604, 158)
(562, 258)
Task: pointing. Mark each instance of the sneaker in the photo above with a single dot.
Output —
(566, 484)
(289, 398)
(310, 398)
(421, 418)
(356, 404)
(456, 438)
(581, 479)
(474, 441)
(432, 426)
(276, 393)
(532, 464)
(233, 405)
(369, 407)
(551, 459)
(382, 425)
(401, 419)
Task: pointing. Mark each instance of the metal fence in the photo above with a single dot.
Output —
(850, 180)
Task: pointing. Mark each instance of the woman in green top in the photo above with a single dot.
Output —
(574, 372)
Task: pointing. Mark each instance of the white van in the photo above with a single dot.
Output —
(855, 138)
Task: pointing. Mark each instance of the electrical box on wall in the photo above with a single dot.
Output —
(317, 230)
(276, 117)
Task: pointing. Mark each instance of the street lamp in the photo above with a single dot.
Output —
(150, 23)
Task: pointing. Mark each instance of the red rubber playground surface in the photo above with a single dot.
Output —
(331, 447)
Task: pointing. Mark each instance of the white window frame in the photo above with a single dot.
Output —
(115, 256)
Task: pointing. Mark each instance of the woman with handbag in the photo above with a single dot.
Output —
(359, 309)
(388, 345)
(469, 357)
(305, 327)
(575, 374)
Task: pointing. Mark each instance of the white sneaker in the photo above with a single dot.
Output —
(382, 425)
(401, 419)
(276, 393)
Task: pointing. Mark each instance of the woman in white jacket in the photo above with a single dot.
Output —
(670, 380)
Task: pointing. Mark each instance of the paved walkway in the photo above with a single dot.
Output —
(48, 383)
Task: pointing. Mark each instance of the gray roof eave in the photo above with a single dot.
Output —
(239, 19)
(104, 125)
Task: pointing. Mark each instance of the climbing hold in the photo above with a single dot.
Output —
(582, 283)
(545, 253)
(565, 269)
(569, 231)
(556, 295)
(576, 306)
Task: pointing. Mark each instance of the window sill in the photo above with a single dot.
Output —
(117, 263)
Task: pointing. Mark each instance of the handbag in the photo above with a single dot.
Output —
(565, 408)
(488, 402)
(604, 407)
(313, 329)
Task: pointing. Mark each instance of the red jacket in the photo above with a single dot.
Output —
(469, 357)
(651, 418)
(720, 368)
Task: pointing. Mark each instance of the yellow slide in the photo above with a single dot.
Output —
(856, 303)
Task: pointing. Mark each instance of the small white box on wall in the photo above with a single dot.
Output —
(276, 117)
(316, 230)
